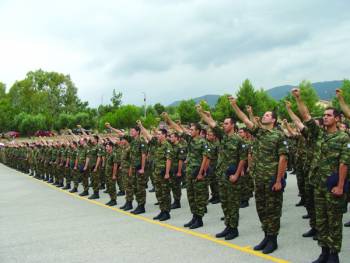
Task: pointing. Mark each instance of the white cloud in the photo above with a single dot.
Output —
(174, 49)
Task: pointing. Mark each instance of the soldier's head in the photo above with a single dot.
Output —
(330, 117)
(195, 129)
(203, 133)
(109, 147)
(211, 135)
(135, 131)
(228, 125)
(174, 137)
(162, 134)
(269, 117)
(242, 133)
(82, 141)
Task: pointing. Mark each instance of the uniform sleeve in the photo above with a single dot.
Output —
(243, 150)
(143, 147)
(312, 129)
(169, 152)
(254, 130)
(209, 151)
(182, 153)
(283, 148)
(345, 152)
(115, 157)
(218, 132)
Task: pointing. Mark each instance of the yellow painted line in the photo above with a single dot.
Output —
(246, 249)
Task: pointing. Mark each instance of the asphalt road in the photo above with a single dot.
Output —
(40, 223)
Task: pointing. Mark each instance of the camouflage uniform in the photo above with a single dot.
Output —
(212, 151)
(84, 175)
(128, 179)
(197, 191)
(179, 153)
(137, 148)
(232, 150)
(163, 152)
(331, 150)
(267, 149)
(93, 154)
(247, 184)
(111, 159)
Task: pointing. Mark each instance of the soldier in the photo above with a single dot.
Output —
(196, 184)
(332, 158)
(270, 162)
(94, 160)
(231, 162)
(83, 167)
(111, 173)
(73, 164)
(137, 161)
(176, 175)
(162, 165)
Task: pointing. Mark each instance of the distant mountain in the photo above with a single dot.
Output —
(211, 99)
(325, 90)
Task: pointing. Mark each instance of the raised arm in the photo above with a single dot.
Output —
(206, 116)
(240, 114)
(144, 131)
(298, 123)
(303, 110)
(251, 115)
(344, 107)
(118, 132)
(171, 123)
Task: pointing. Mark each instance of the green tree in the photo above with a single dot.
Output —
(346, 94)
(116, 99)
(223, 109)
(159, 108)
(187, 111)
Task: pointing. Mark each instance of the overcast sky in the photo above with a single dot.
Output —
(174, 49)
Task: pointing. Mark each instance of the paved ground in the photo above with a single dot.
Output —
(39, 223)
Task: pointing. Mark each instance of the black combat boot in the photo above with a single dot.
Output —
(323, 258)
(301, 202)
(128, 206)
(95, 195)
(244, 204)
(176, 204)
(311, 233)
(84, 193)
(112, 203)
(121, 193)
(197, 223)
(215, 200)
(67, 187)
(152, 190)
(262, 244)
(158, 216)
(165, 216)
(307, 216)
(140, 209)
(223, 233)
(271, 245)
(102, 187)
(194, 217)
(233, 233)
(333, 257)
(74, 190)
(347, 224)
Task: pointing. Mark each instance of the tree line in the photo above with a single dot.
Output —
(49, 101)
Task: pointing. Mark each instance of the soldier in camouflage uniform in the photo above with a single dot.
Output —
(82, 168)
(329, 167)
(211, 155)
(111, 173)
(179, 157)
(94, 161)
(162, 165)
(196, 184)
(270, 155)
(232, 155)
(73, 164)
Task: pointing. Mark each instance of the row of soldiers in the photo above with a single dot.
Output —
(233, 163)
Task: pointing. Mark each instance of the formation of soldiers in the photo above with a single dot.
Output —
(216, 163)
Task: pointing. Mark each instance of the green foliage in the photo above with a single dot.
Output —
(187, 111)
(159, 108)
(124, 117)
(223, 109)
(116, 99)
(346, 94)
(28, 124)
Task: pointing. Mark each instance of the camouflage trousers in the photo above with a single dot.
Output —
(197, 193)
(103, 178)
(310, 201)
(111, 187)
(85, 180)
(76, 178)
(268, 206)
(130, 184)
(95, 180)
(300, 174)
(68, 175)
(175, 185)
(329, 216)
(247, 186)
(61, 170)
(230, 200)
(140, 183)
(162, 190)
(213, 184)
(120, 182)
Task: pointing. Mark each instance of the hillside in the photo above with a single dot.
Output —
(325, 91)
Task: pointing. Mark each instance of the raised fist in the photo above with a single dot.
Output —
(296, 92)
(288, 104)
